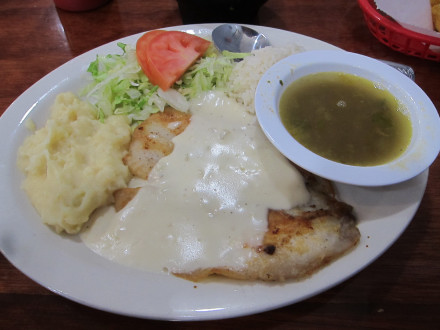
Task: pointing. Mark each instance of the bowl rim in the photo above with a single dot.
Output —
(425, 142)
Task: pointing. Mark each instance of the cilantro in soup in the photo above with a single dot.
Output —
(345, 118)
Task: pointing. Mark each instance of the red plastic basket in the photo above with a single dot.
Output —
(392, 34)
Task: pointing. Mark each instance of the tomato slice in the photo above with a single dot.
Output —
(142, 45)
(164, 56)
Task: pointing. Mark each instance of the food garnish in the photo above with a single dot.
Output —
(164, 56)
(119, 86)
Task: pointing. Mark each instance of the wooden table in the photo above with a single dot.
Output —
(401, 290)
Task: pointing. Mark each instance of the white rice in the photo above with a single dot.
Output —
(247, 73)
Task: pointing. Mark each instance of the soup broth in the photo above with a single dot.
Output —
(345, 118)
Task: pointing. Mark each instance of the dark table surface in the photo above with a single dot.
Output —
(400, 290)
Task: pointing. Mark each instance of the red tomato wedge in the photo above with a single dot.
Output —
(141, 47)
(164, 56)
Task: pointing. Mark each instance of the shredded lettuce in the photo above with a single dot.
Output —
(120, 87)
(211, 72)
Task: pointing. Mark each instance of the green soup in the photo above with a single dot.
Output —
(345, 118)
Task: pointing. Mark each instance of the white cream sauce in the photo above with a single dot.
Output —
(206, 204)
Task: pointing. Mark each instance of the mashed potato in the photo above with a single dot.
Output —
(74, 164)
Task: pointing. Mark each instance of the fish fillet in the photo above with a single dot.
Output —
(151, 140)
(297, 243)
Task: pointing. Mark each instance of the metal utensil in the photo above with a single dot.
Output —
(238, 39)
(242, 39)
(405, 69)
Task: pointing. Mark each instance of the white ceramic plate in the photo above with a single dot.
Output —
(425, 142)
(67, 267)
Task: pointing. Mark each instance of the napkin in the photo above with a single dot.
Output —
(413, 15)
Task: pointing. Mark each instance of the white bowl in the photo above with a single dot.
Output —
(425, 142)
